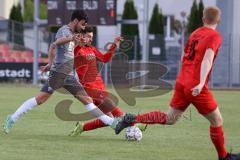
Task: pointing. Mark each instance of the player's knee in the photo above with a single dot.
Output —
(42, 98)
(84, 99)
(217, 121)
(171, 122)
(172, 119)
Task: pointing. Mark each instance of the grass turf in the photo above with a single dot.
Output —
(40, 135)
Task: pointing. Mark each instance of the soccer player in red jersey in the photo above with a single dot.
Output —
(192, 85)
(85, 59)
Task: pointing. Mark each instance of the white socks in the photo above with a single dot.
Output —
(24, 108)
(31, 103)
(99, 114)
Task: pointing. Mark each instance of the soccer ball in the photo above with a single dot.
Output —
(133, 133)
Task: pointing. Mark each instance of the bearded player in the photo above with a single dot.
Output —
(86, 57)
(62, 73)
(192, 85)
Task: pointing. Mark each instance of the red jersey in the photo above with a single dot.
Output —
(199, 41)
(85, 62)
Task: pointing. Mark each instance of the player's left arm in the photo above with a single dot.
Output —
(206, 66)
(108, 55)
(76, 38)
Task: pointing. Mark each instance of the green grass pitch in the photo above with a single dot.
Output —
(40, 135)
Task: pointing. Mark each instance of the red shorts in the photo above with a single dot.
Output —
(101, 98)
(97, 95)
(182, 98)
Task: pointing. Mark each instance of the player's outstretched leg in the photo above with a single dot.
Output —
(217, 136)
(90, 106)
(97, 123)
(155, 117)
(126, 121)
(24, 108)
(8, 124)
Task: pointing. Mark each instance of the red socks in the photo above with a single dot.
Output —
(98, 123)
(217, 137)
(157, 117)
(152, 118)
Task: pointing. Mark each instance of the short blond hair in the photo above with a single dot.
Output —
(212, 15)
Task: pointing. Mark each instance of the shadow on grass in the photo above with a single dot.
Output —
(61, 138)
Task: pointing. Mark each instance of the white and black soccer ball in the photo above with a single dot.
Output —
(133, 133)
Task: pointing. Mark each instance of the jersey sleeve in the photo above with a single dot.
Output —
(107, 56)
(63, 33)
(214, 43)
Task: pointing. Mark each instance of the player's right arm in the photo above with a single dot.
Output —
(206, 66)
(207, 63)
(214, 42)
(51, 56)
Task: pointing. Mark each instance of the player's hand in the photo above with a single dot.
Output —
(78, 39)
(45, 68)
(75, 37)
(117, 40)
(197, 90)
